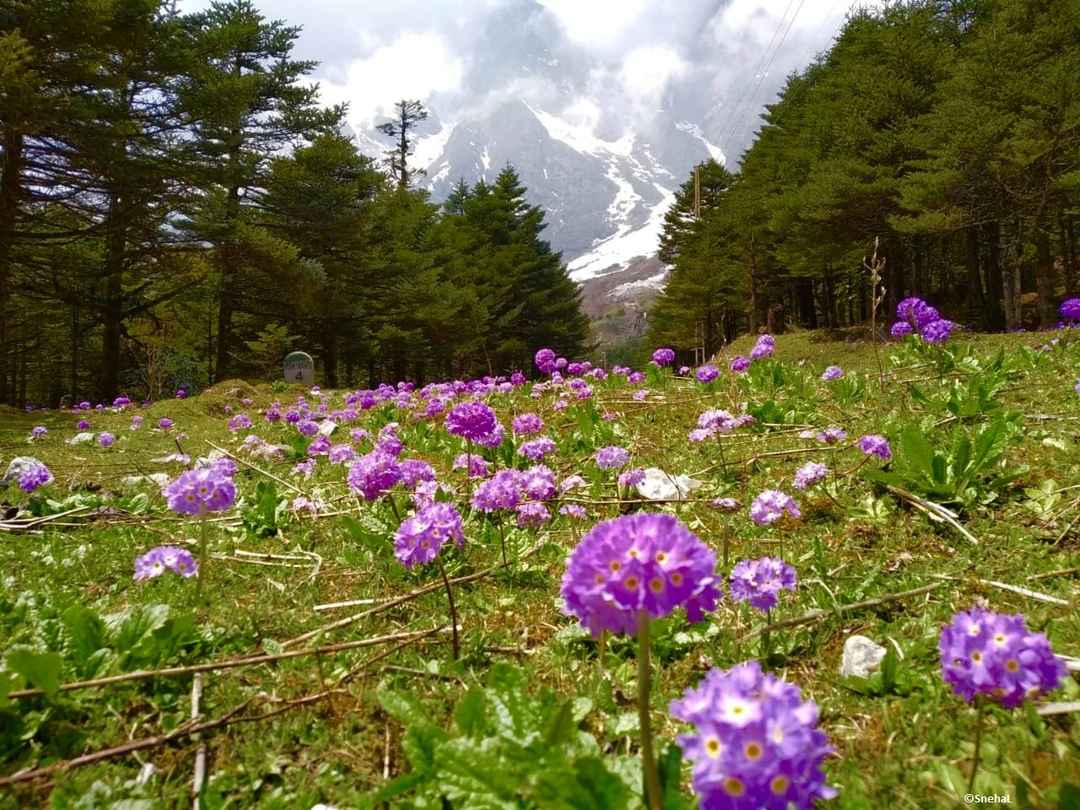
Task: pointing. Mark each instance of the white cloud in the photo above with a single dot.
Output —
(414, 65)
(646, 71)
(596, 22)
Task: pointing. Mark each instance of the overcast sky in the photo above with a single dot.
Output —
(610, 62)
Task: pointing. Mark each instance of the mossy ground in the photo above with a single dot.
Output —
(909, 745)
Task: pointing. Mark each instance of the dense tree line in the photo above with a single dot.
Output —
(949, 130)
(176, 206)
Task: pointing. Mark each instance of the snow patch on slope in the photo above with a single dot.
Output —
(715, 152)
(625, 244)
(430, 148)
(581, 139)
(630, 287)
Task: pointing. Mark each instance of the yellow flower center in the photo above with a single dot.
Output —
(976, 657)
(676, 579)
(631, 583)
(656, 584)
(1012, 665)
(712, 747)
(734, 787)
(753, 751)
(779, 785)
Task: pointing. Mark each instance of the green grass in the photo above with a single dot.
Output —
(903, 744)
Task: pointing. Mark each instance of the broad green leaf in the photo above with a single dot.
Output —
(41, 669)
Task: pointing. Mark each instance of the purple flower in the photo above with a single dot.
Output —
(756, 744)
(121, 401)
(478, 467)
(831, 435)
(82, 424)
(759, 582)
(809, 474)
(239, 422)
(165, 423)
(725, 504)
(37, 475)
(319, 447)
(545, 361)
(916, 312)
(419, 538)
(832, 373)
(663, 357)
(684, 370)
(308, 427)
(572, 482)
(612, 458)
(994, 654)
(1070, 309)
(739, 364)
(706, 374)
(901, 329)
(631, 478)
(538, 483)
(536, 449)
(493, 439)
(341, 453)
(106, 439)
(374, 474)
(764, 348)
(202, 490)
(717, 421)
(501, 491)
(938, 331)
(39, 432)
(573, 510)
(471, 420)
(414, 470)
(181, 393)
(304, 468)
(770, 506)
(527, 424)
(136, 422)
(874, 445)
(532, 513)
(158, 560)
(641, 562)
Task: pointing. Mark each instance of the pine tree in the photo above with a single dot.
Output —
(407, 114)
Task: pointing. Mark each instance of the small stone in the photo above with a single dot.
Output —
(157, 479)
(81, 438)
(862, 656)
(327, 427)
(18, 466)
(662, 486)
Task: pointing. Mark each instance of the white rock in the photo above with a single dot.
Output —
(326, 427)
(146, 773)
(862, 656)
(18, 466)
(661, 486)
(81, 438)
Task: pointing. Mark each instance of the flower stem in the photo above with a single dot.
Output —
(453, 609)
(204, 537)
(502, 539)
(980, 706)
(468, 467)
(648, 759)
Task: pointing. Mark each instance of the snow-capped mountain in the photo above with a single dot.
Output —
(604, 200)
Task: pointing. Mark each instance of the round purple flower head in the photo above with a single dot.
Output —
(1070, 309)
(644, 562)
(165, 423)
(809, 474)
(832, 373)
(527, 424)
(415, 470)
(545, 361)
(478, 466)
(501, 491)
(538, 483)
(663, 357)
(994, 654)
(471, 420)
(39, 432)
(631, 478)
(612, 458)
(82, 424)
(874, 445)
(202, 490)
(37, 475)
(759, 582)
(770, 506)
(764, 348)
(739, 364)
(532, 513)
(106, 439)
(755, 744)
(374, 474)
(706, 374)
(937, 331)
(901, 329)
(419, 538)
(537, 448)
(158, 560)
(181, 393)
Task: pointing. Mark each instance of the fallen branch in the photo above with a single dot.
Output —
(933, 511)
(819, 613)
(253, 660)
(198, 778)
(1005, 586)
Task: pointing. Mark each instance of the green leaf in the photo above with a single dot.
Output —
(917, 451)
(470, 713)
(86, 635)
(41, 669)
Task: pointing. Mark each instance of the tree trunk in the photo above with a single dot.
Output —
(112, 306)
(1068, 251)
(1045, 278)
(995, 281)
(976, 298)
(330, 355)
(804, 295)
(10, 193)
